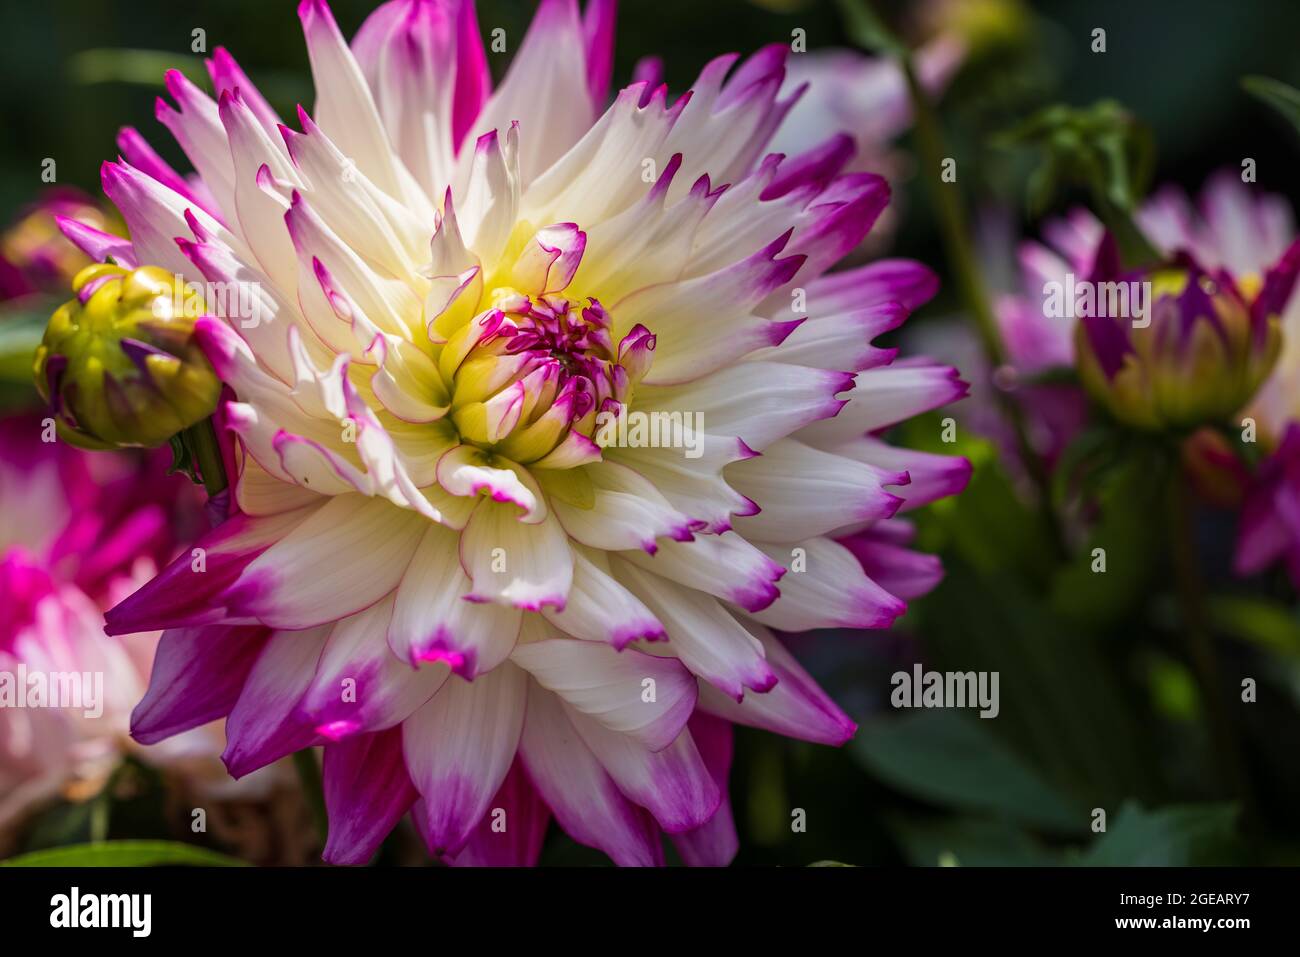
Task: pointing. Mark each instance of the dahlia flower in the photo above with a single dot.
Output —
(545, 417)
(78, 532)
(858, 104)
(1200, 350)
(34, 257)
(1236, 245)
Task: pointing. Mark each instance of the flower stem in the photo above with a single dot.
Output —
(202, 441)
(304, 763)
(955, 231)
(1198, 642)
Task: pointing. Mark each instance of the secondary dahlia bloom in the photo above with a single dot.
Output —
(539, 402)
(78, 532)
(1194, 353)
(34, 257)
(1239, 243)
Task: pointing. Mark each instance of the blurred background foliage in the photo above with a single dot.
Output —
(1099, 708)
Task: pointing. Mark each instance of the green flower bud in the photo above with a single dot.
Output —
(119, 364)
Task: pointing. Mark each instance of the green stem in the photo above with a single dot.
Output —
(202, 440)
(955, 230)
(309, 776)
(1198, 642)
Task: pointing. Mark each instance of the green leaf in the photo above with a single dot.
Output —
(124, 854)
(1130, 491)
(1175, 836)
(830, 864)
(1283, 98)
(21, 329)
(1257, 621)
(142, 67)
(948, 759)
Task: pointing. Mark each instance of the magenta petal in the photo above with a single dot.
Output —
(714, 843)
(367, 790)
(511, 834)
(198, 674)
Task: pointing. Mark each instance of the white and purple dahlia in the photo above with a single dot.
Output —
(546, 414)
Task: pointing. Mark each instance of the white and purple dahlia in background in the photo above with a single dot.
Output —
(546, 413)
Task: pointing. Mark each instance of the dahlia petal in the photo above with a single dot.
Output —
(458, 749)
(361, 213)
(491, 205)
(601, 175)
(815, 167)
(367, 790)
(841, 341)
(545, 86)
(511, 834)
(584, 798)
(795, 707)
(932, 476)
(345, 108)
(347, 555)
(260, 213)
(600, 609)
(513, 563)
(197, 676)
(155, 215)
(264, 318)
(359, 684)
(135, 149)
(96, 243)
(598, 31)
(724, 128)
(386, 302)
(714, 843)
(262, 727)
(432, 620)
(609, 686)
(837, 223)
(695, 487)
(708, 640)
(832, 591)
(407, 51)
(804, 492)
(649, 242)
(672, 783)
(197, 128)
(725, 566)
(895, 568)
(628, 512)
(468, 471)
(688, 348)
(758, 402)
(227, 77)
(887, 280)
(182, 594)
(883, 397)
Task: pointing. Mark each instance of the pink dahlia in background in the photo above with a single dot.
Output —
(78, 532)
(34, 257)
(545, 414)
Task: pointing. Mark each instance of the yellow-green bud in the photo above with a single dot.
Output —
(119, 364)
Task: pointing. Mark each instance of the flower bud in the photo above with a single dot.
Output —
(1193, 351)
(119, 364)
